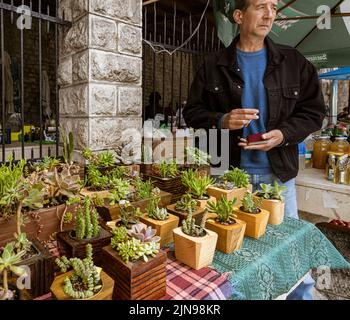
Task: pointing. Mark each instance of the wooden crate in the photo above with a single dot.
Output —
(71, 247)
(136, 280)
(197, 215)
(229, 194)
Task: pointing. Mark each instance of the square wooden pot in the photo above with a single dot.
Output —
(86, 192)
(203, 203)
(229, 194)
(105, 293)
(164, 228)
(256, 223)
(230, 237)
(137, 280)
(197, 215)
(196, 252)
(276, 209)
(77, 248)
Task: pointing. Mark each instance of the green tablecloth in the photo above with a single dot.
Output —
(269, 267)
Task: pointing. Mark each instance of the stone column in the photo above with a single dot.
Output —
(100, 71)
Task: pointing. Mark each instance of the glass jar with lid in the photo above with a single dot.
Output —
(321, 147)
(340, 145)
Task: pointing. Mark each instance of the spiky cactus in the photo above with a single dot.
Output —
(85, 280)
(87, 225)
(251, 204)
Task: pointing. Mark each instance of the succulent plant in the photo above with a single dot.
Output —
(167, 170)
(103, 159)
(129, 215)
(186, 203)
(224, 209)
(265, 191)
(238, 177)
(143, 233)
(68, 146)
(120, 191)
(190, 228)
(160, 214)
(225, 185)
(120, 234)
(196, 157)
(274, 192)
(251, 204)
(47, 163)
(87, 225)
(278, 191)
(143, 189)
(85, 280)
(196, 183)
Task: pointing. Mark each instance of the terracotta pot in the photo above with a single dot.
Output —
(229, 194)
(196, 252)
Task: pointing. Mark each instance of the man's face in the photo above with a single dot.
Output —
(258, 18)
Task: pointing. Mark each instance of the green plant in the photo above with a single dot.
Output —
(238, 177)
(8, 263)
(143, 189)
(68, 146)
(190, 228)
(224, 209)
(85, 280)
(129, 215)
(47, 163)
(186, 203)
(143, 233)
(225, 185)
(120, 191)
(103, 159)
(197, 184)
(196, 157)
(168, 170)
(251, 204)
(265, 192)
(120, 234)
(274, 192)
(87, 225)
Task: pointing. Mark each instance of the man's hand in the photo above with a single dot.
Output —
(239, 118)
(273, 139)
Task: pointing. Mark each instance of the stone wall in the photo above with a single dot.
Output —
(100, 71)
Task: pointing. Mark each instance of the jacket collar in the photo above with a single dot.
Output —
(229, 56)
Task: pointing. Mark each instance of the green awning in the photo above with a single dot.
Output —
(323, 47)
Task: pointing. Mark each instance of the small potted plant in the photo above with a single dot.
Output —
(197, 185)
(255, 217)
(194, 245)
(233, 184)
(129, 216)
(230, 230)
(87, 230)
(186, 204)
(136, 263)
(272, 201)
(84, 282)
(197, 160)
(160, 220)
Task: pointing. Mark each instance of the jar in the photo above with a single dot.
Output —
(340, 145)
(321, 147)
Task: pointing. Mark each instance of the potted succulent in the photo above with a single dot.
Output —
(186, 204)
(194, 245)
(136, 263)
(197, 160)
(230, 230)
(272, 201)
(9, 261)
(233, 184)
(255, 217)
(160, 220)
(167, 177)
(87, 230)
(197, 185)
(84, 282)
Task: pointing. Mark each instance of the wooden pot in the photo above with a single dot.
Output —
(256, 223)
(203, 202)
(276, 209)
(104, 294)
(229, 194)
(164, 228)
(196, 252)
(197, 215)
(86, 192)
(230, 237)
(137, 280)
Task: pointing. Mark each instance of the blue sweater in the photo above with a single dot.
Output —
(253, 66)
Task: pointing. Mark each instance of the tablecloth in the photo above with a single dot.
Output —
(267, 268)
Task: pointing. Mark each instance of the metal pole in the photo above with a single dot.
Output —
(334, 109)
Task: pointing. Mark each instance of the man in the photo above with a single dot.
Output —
(257, 86)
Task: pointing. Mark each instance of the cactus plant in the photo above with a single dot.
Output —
(196, 183)
(87, 225)
(250, 204)
(68, 146)
(224, 210)
(190, 228)
(238, 177)
(186, 203)
(85, 280)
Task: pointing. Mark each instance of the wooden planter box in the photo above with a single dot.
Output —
(196, 252)
(276, 209)
(229, 194)
(230, 238)
(256, 223)
(197, 215)
(71, 247)
(164, 228)
(41, 224)
(203, 203)
(101, 194)
(171, 185)
(41, 270)
(109, 213)
(105, 293)
(137, 280)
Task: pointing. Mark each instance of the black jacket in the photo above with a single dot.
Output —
(295, 101)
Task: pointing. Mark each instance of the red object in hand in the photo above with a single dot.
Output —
(255, 138)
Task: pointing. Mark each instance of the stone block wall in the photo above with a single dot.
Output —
(100, 71)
